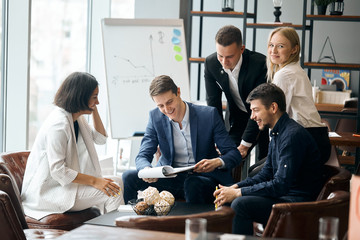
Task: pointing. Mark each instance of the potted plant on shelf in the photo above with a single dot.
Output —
(322, 5)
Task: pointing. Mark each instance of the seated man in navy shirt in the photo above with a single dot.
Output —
(292, 171)
(186, 135)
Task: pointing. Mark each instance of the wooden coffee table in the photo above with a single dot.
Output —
(95, 232)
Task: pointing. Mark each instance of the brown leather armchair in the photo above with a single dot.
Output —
(12, 221)
(217, 221)
(13, 164)
(300, 220)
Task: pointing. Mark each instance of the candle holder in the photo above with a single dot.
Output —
(277, 12)
(337, 7)
(227, 5)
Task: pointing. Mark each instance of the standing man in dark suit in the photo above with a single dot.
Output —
(236, 71)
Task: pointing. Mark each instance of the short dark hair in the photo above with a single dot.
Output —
(268, 93)
(227, 35)
(162, 84)
(74, 93)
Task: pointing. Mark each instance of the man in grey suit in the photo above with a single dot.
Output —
(236, 71)
(186, 135)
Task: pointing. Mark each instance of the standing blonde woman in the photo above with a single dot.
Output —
(284, 70)
(63, 171)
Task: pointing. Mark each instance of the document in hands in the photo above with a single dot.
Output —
(162, 172)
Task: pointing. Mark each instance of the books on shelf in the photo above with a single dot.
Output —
(339, 78)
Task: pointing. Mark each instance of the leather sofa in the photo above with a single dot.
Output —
(13, 164)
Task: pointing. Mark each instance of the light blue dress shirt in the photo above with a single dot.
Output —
(182, 142)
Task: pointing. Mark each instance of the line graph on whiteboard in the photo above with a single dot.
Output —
(142, 66)
(136, 73)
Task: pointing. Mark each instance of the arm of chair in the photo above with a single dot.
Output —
(14, 164)
(300, 220)
(7, 185)
(339, 181)
(10, 226)
(254, 169)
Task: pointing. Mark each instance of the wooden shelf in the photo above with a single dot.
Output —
(275, 25)
(329, 107)
(333, 18)
(346, 139)
(331, 65)
(196, 60)
(221, 14)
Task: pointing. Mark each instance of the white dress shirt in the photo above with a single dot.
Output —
(234, 89)
(233, 84)
(300, 105)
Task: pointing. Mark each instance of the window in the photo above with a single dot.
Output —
(124, 148)
(58, 48)
(59, 31)
(122, 8)
(2, 99)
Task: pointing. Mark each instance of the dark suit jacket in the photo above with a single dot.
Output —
(252, 73)
(206, 129)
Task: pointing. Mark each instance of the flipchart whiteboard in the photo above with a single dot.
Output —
(136, 51)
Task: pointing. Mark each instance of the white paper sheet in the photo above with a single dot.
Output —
(162, 172)
(125, 208)
(227, 236)
(333, 134)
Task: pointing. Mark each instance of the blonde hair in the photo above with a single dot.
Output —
(293, 37)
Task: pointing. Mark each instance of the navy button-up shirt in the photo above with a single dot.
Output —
(293, 170)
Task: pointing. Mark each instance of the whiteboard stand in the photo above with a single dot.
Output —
(117, 157)
(127, 150)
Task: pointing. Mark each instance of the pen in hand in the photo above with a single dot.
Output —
(216, 205)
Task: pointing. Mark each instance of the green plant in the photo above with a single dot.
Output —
(323, 2)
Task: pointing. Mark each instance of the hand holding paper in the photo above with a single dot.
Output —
(207, 165)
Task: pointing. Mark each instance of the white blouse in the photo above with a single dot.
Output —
(300, 105)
